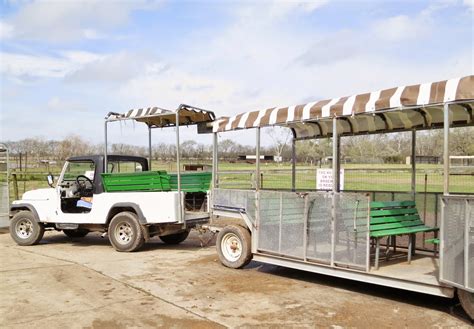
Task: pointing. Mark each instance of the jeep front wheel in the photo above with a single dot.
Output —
(25, 230)
(125, 232)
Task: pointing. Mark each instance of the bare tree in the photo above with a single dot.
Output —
(280, 138)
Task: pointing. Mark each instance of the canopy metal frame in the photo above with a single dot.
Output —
(166, 117)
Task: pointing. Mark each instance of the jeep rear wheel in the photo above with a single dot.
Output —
(25, 230)
(125, 232)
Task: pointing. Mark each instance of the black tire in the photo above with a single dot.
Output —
(125, 232)
(176, 238)
(79, 233)
(25, 230)
(234, 246)
(467, 302)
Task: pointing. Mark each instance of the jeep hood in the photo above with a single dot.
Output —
(39, 194)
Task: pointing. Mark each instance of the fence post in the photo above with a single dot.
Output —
(261, 180)
(15, 186)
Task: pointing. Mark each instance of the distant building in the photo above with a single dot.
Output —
(328, 160)
(263, 158)
(196, 167)
(424, 159)
(461, 160)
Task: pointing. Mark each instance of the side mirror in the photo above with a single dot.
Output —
(50, 179)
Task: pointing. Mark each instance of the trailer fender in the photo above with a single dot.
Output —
(24, 206)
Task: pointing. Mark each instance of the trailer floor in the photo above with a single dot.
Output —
(423, 268)
(84, 283)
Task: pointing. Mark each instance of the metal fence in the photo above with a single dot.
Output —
(355, 179)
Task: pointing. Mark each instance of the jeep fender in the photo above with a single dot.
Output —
(134, 206)
(24, 206)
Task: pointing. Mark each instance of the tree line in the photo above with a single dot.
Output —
(392, 147)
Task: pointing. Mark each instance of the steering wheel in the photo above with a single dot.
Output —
(81, 181)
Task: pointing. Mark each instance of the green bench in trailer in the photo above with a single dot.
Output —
(392, 218)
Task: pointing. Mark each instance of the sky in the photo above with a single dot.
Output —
(65, 64)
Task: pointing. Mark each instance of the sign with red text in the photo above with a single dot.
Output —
(324, 179)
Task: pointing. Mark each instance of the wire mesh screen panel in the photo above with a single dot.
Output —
(452, 240)
(281, 223)
(319, 227)
(292, 225)
(238, 200)
(351, 229)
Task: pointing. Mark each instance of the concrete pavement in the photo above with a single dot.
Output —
(84, 283)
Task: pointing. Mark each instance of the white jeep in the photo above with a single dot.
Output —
(78, 204)
(137, 204)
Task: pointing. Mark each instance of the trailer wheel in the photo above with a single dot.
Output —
(234, 246)
(125, 232)
(25, 230)
(467, 302)
(79, 233)
(176, 238)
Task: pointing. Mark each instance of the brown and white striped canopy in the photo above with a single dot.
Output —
(400, 108)
(156, 117)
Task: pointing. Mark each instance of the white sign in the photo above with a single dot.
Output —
(324, 179)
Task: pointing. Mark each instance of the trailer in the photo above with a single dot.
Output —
(120, 195)
(346, 234)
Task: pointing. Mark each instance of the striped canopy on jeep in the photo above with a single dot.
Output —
(156, 117)
(400, 108)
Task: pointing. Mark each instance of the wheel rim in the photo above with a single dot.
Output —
(24, 228)
(231, 247)
(123, 233)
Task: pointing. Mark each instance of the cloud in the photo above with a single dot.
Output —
(26, 67)
(67, 21)
(58, 104)
(6, 30)
(175, 86)
(275, 9)
(469, 3)
(403, 27)
(93, 34)
(116, 68)
(418, 26)
(333, 48)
